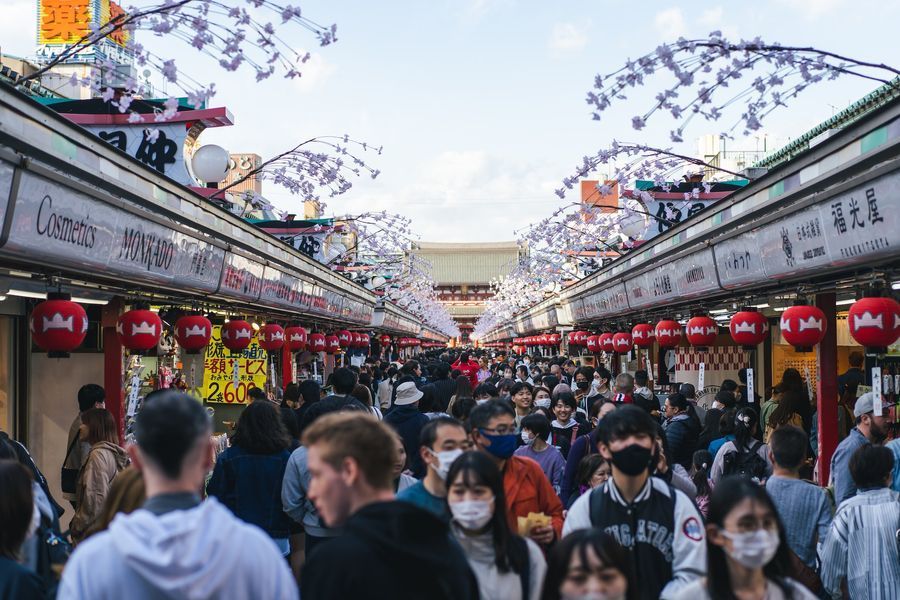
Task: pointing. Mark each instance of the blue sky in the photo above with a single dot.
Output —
(479, 104)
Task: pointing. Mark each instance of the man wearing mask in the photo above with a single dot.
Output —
(869, 430)
(443, 440)
(569, 368)
(656, 523)
(524, 483)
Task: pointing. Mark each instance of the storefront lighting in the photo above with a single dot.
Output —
(895, 285)
(845, 302)
(722, 317)
(43, 296)
(718, 311)
(781, 308)
(763, 305)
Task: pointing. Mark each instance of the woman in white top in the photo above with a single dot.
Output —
(758, 467)
(507, 566)
(747, 551)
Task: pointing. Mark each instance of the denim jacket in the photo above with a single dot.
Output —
(250, 486)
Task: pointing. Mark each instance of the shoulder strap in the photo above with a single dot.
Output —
(71, 447)
(596, 500)
(525, 574)
(755, 447)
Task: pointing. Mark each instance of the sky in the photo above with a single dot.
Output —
(480, 104)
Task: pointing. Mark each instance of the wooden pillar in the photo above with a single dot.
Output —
(287, 370)
(112, 365)
(826, 391)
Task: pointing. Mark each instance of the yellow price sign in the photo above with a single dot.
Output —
(219, 383)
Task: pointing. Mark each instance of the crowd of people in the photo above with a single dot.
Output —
(462, 476)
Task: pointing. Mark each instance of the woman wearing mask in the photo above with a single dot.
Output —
(507, 566)
(105, 460)
(535, 433)
(521, 396)
(584, 377)
(745, 454)
(541, 397)
(746, 549)
(589, 564)
(600, 385)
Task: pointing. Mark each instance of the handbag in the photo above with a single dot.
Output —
(805, 575)
(68, 478)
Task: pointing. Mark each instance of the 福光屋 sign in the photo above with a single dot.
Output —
(219, 371)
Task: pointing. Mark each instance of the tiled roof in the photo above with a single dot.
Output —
(477, 263)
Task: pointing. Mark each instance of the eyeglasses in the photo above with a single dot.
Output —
(502, 430)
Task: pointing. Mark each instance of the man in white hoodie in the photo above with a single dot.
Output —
(176, 546)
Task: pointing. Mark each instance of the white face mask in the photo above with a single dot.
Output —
(592, 596)
(445, 459)
(481, 400)
(753, 549)
(542, 402)
(527, 438)
(472, 514)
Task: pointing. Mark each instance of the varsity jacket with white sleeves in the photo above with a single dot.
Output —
(661, 527)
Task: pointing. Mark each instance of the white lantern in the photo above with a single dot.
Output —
(210, 163)
(633, 225)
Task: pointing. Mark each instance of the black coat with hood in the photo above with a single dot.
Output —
(390, 550)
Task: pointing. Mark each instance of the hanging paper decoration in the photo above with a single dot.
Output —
(355, 339)
(701, 331)
(295, 339)
(748, 327)
(875, 322)
(571, 338)
(385, 339)
(271, 337)
(364, 340)
(605, 342)
(803, 326)
(317, 342)
(555, 339)
(345, 338)
(592, 343)
(622, 342)
(237, 335)
(193, 333)
(668, 333)
(58, 325)
(139, 329)
(581, 338)
(332, 344)
(642, 335)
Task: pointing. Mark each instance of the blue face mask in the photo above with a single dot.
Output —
(502, 446)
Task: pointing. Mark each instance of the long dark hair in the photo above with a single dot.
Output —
(745, 421)
(477, 469)
(260, 429)
(603, 545)
(16, 505)
(791, 403)
(730, 492)
(700, 465)
(463, 387)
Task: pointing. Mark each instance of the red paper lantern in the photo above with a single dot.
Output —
(237, 335)
(622, 342)
(642, 335)
(295, 339)
(555, 339)
(748, 327)
(581, 338)
(364, 340)
(271, 337)
(58, 325)
(193, 333)
(345, 338)
(803, 326)
(354, 339)
(593, 343)
(571, 338)
(415, 342)
(385, 339)
(139, 329)
(332, 344)
(605, 341)
(317, 342)
(668, 333)
(875, 322)
(701, 331)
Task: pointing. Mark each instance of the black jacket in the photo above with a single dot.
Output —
(681, 434)
(390, 550)
(408, 422)
(710, 427)
(443, 389)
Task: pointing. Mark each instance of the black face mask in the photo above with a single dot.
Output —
(582, 385)
(632, 460)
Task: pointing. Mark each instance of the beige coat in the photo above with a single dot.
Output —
(104, 461)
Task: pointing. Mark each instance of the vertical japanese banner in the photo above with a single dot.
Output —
(751, 395)
(701, 376)
(227, 376)
(877, 401)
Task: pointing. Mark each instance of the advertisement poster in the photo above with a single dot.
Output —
(219, 382)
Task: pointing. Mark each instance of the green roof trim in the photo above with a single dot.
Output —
(881, 96)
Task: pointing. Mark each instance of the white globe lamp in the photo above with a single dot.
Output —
(633, 225)
(210, 163)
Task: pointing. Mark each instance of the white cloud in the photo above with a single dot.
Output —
(475, 10)
(568, 37)
(813, 9)
(669, 23)
(315, 73)
(714, 19)
(17, 27)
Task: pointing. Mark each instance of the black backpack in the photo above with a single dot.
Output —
(746, 463)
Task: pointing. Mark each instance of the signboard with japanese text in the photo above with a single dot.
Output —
(606, 302)
(793, 244)
(695, 274)
(864, 223)
(219, 371)
(280, 289)
(640, 292)
(160, 147)
(738, 261)
(241, 277)
(62, 23)
(64, 226)
(6, 177)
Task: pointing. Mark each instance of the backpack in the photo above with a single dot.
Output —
(746, 463)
